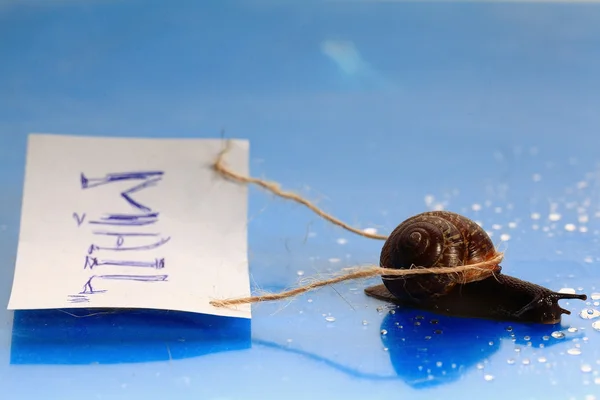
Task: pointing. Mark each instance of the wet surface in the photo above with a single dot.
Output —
(375, 111)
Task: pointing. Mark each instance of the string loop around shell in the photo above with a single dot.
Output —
(458, 275)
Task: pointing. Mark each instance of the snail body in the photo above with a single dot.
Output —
(440, 239)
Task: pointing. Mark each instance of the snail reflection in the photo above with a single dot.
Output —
(429, 349)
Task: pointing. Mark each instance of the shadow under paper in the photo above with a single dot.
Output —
(101, 336)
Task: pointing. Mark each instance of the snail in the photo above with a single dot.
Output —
(437, 239)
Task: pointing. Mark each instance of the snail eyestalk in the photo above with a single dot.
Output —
(567, 296)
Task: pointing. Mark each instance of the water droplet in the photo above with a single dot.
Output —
(527, 338)
(545, 337)
(310, 300)
(384, 332)
(437, 332)
(542, 359)
(583, 218)
(419, 317)
(595, 296)
(554, 217)
(427, 337)
(586, 368)
(330, 319)
(434, 321)
(488, 377)
(509, 328)
(490, 343)
(417, 323)
(479, 366)
(512, 225)
(392, 312)
(438, 364)
(370, 231)
(536, 177)
(574, 351)
(496, 226)
(526, 361)
(505, 237)
(300, 273)
(567, 290)
(476, 207)
(510, 361)
(385, 349)
(597, 381)
(535, 215)
(365, 322)
(517, 349)
(570, 227)
(589, 313)
(334, 260)
(572, 329)
(596, 325)
(341, 241)
(558, 335)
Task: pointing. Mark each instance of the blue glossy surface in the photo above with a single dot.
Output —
(378, 110)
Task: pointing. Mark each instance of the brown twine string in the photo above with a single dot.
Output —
(484, 270)
(460, 274)
(274, 187)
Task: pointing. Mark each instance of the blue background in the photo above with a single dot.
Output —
(377, 111)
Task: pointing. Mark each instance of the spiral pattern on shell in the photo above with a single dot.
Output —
(434, 239)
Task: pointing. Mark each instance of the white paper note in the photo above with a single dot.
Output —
(131, 223)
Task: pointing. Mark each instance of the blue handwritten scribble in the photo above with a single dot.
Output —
(87, 183)
(127, 219)
(134, 221)
(88, 289)
(77, 298)
(124, 233)
(137, 188)
(119, 247)
(79, 218)
(92, 262)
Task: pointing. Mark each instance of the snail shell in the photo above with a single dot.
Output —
(435, 239)
(439, 239)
